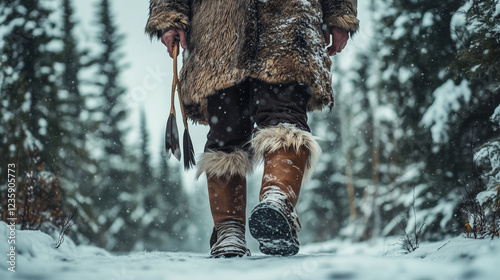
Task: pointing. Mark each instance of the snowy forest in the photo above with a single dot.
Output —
(411, 147)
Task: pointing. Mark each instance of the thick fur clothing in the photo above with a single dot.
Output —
(275, 41)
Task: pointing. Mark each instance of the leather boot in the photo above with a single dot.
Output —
(227, 195)
(226, 180)
(274, 222)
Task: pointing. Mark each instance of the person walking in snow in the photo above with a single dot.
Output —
(252, 69)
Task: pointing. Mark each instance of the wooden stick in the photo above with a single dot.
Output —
(178, 84)
(175, 81)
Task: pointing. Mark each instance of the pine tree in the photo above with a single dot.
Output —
(142, 208)
(28, 81)
(114, 194)
(77, 164)
(419, 47)
(479, 48)
(478, 54)
(477, 60)
(364, 152)
(145, 170)
(176, 213)
(324, 207)
(75, 115)
(40, 108)
(376, 151)
(113, 109)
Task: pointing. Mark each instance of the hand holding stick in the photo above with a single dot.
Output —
(172, 134)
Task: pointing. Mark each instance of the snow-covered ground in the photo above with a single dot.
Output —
(452, 259)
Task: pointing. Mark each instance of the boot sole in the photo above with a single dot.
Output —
(228, 254)
(273, 231)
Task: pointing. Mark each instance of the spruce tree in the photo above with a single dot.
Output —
(477, 60)
(175, 210)
(373, 150)
(145, 170)
(113, 109)
(142, 209)
(418, 49)
(28, 81)
(324, 207)
(38, 108)
(113, 196)
(77, 162)
(479, 47)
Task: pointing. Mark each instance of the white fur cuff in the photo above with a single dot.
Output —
(217, 163)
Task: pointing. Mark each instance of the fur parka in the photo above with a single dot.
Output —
(229, 41)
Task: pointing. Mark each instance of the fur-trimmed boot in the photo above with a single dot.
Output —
(227, 194)
(288, 154)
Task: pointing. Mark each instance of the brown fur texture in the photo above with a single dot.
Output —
(341, 14)
(164, 15)
(286, 136)
(276, 41)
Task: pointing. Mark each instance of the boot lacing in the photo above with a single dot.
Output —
(230, 238)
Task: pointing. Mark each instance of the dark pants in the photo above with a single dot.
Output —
(234, 112)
